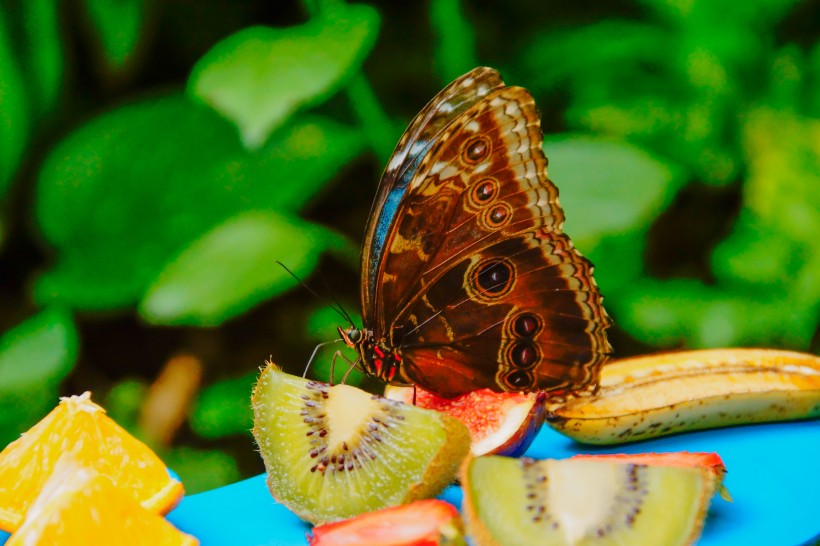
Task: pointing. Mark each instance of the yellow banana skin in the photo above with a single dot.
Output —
(656, 395)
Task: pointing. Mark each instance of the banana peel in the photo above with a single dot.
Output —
(657, 395)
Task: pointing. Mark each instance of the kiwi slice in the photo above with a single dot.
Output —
(333, 452)
(583, 502)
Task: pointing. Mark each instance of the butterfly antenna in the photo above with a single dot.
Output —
(333, 298)
(338, 308)
(313, 354)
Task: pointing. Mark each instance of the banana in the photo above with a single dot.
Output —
(657, 395)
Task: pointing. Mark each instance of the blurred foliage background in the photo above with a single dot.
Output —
(158, 157)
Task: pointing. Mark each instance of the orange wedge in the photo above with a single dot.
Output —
(79, 427)
(78, 505)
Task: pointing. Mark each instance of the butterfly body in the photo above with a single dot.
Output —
(467, 280)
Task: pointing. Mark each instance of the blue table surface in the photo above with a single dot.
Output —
(773, 476)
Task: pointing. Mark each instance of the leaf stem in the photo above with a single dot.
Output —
(379, 130)
(455, 49)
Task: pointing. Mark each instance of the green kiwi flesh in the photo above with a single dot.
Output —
(513, 502)
(334, 452)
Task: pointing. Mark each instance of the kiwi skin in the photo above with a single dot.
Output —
(508, 502)
(393, 453)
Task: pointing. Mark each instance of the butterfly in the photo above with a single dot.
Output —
(467, 279)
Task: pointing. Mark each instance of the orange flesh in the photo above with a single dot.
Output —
(90, 509)
(79, 427)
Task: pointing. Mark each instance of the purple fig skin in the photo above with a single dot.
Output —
(514, 444)
(521, 441)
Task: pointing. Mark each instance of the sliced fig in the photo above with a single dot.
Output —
(502, 423)
(421, 523)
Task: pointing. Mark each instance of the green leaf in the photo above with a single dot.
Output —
(455, 51)
(35, 357)
(382, 133)
(700, 13)
(302, 156)
(118, 24)
(813, 81)
(691, 314)
(611, 51)
(259, 76)
(125, 193)
(232, 268)
(755, 254)
(783, 154)
(43, 51)
(607, 187)
(202, 469)
(123, 402)
(14, 110)
(224, 408)
(618, 260)
(117, 198)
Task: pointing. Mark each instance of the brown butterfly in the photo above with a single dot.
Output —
(467, 280)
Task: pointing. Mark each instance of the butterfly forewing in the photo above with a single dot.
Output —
(422, 133)
(461, 202)
(466, 271)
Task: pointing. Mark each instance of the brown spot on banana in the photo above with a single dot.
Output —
(656, 395)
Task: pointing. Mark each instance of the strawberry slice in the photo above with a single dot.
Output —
(709, 460)
(421, 523)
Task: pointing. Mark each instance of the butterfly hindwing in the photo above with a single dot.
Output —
(526, 315)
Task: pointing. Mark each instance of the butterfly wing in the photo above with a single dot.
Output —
(477, 205)
(422, 133)
(521, 314)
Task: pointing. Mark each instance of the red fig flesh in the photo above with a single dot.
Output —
(499, 423)
(421, 523)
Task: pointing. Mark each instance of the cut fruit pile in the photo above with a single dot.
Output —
(336, 452)
(591, 500)
(77, 474)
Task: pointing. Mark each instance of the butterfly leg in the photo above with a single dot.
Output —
(352, 365)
